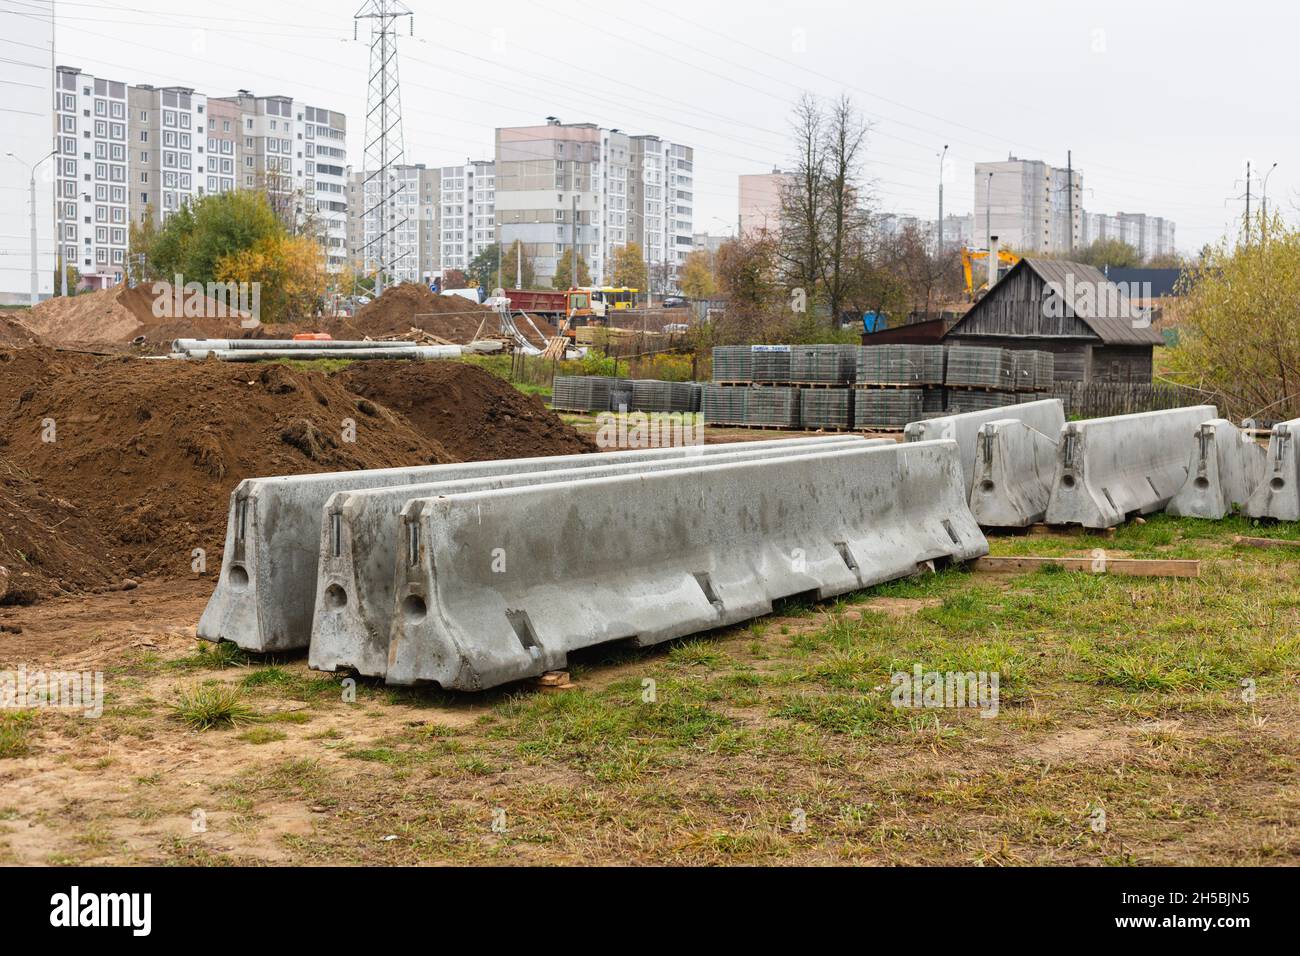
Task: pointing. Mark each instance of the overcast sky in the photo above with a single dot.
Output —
(1161, 103)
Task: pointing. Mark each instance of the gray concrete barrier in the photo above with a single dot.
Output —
(1045, 416)
(501, 585)
(1224, 467)
(1278, 492)
(362, 540)
(1109, 468)
(266, 590)
(1014, 466)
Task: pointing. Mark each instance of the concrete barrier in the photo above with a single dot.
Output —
(1046, 416)
(1223, 469)
(1109, 468)
(266, 590)
(362, 538)
(1278, 492)
(496, 586)
(1014, 466)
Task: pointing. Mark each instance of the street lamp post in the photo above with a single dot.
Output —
(942, 156)
(32, 195)
(1265, 198)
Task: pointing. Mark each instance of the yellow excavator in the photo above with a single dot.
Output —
(1006, 259)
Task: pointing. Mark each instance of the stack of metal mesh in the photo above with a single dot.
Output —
(697, 394)
(770, 363)
(651, 395)
(826, 407)
(581, 393)
(1044, 371)
(772, 406)
(886, 407)
(731, 363)
(722, 405)
(900, 365)
(979, 367)
(934, 400)
(976, 401)
(823, 363)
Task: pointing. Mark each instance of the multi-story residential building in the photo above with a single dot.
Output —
(958, 231)
(92, 177)
(222, 168)
(623, 189)
(760, 202)
(28, 120)
(167, 131)
(325, 172)
(467, 212)
(411, 247)
(1029, 205)
(1151, 236)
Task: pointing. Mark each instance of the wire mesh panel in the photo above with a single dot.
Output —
(823, 363)
(1044, 370)
(886, 407)
(731, 363)
(770, 363)
(981, 367)
(899, 365)
(772, 406)
(976, 401)
(934, 400)
(826, 407)
(581, 393)
(723, 406)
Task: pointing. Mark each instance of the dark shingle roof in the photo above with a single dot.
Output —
(1097, 302)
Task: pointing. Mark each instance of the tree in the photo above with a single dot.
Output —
(519, 271)
(290, 269)
(629, 267)
(1109, 252)
(697, 276)
(74, 277)
(482, 269)
(845, 218)
(203, 232)
(1239, 336)
(564, 271)
(803, 197)
(927, 277)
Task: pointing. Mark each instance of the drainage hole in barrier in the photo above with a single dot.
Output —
(1201, 482)
(947, 526)
(706, 585)
(986, 486)
(1277, 483)
(1067, 480)
(238, 577)
(414, 609)
(523, 628)
(846, 555)
(335, 597)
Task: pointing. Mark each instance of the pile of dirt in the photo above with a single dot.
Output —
(475, 414)
(14, 332)
(118, 316)
(413, 305)
(115, 469)
(150, 451)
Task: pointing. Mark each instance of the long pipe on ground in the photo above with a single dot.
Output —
(420, 353)
(203, 345)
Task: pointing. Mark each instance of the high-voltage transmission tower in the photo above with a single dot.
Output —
(384, 148)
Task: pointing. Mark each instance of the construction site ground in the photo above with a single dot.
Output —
(1124, 733)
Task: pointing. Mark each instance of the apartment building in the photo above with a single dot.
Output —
(222, 166)
(1029, 205)
(621, 188)
(325, 178)
(1151, 236)
(760, 202)
(411, 249)
(467, 212)
(167, 130)
(90, 187)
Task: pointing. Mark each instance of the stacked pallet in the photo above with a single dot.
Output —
(731, 363)
(912, 365)
(823, 364)
(581, 393)
(723, 405)
(770, 363)
(826, 407)
(978, 367)
(886, 408)
(599, 393)
(772, 406)
(651, 395)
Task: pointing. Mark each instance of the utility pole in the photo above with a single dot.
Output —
(1264, 201)
(31, 187)
(1248, 202)
(939, 249)
(988, 214)
(383, 144)
(573, 261)
(519, 264)
(1069, 185)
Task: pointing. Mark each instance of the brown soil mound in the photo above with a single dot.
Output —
(475, 414)
(152, 450)
(116, 317)
(412, 305)
(14, 332)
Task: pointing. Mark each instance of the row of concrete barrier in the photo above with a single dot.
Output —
(475, 574)
(1023, 464)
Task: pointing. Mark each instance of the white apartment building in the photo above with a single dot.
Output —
(168, 159)
(467, 212)
(411, 247)
(92, 208)
(222, 167)
(27, 124)
(1027, 204)
(663, 202)
(325, 172)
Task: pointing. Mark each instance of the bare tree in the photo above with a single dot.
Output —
(843, 202)
(803, 198)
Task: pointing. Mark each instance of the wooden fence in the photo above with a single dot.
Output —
(1101, 399)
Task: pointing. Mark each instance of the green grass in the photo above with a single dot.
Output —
(15, 728)
(211, 706)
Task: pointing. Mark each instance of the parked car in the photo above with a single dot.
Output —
(673, 302)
